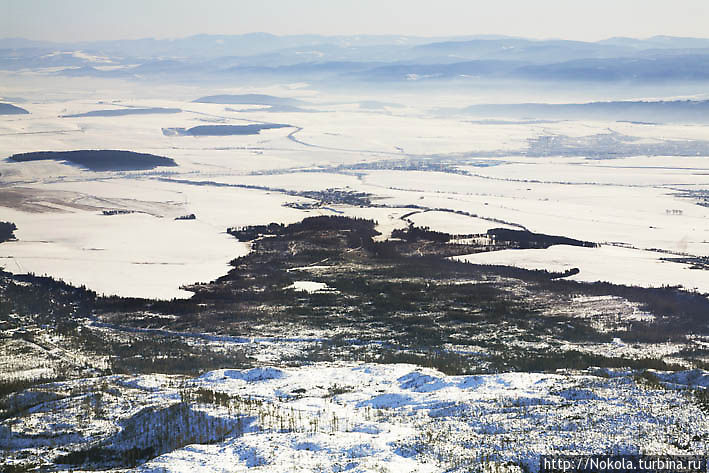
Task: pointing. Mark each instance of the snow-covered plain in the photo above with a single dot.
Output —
(607, 263)
(647, 202)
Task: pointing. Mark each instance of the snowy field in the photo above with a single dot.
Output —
(607, 263)
(646, 202)
(455, 224)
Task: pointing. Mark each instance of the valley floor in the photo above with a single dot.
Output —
(344, 287)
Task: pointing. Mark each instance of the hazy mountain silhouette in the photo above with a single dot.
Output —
(249, 99)
(123, 111)
(687, 111)
(341, 59)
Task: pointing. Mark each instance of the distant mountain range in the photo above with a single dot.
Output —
(119, 112)
(366, 59)
(249, 99)
(678, 111)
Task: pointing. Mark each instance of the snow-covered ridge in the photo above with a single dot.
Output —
(364, 417)
(359, 417)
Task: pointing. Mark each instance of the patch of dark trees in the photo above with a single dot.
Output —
(9, 109)
(53, 303)
(222, 130)
(19, 468)
(107, 456)
(566, 274)
(7, 231)
(186, 217)
(154, 431)
(47, 298)
(679, 312)
(677, 309)
(574, 359)
(100, 160)
(412, 233)
(13, 385)
(702, 398)
(526, 239)
(149, 353)
(363, 228)
(112, 212)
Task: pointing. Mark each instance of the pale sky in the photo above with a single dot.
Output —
(588, 20)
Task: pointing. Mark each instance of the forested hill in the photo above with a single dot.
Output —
(100, 160)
